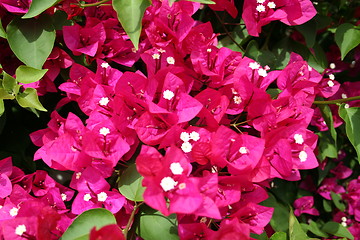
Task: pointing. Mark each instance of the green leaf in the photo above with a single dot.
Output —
(25, 74)
(2, 109)
(80, 228)
(130, 184)
(347, 37)
(279, 236)
(202, 1)
(280, 220)
(38, 6)
(2, 31)
(327, 115)
(31, 40)
(337, 200)
(308, 30)
(130, 14)
(295, 230)
(337, 229)
(327, 205)
(313, 227)
(326, 145)
(10, 85)
(351, 116)
(29, 98)
(155, 226)
(262, 236)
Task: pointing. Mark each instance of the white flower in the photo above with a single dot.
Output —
(78, 175)
(271, 5)
(20, 229)
(330, 83)
(14, 211)
(176, 168)
(254, 65)
(243, 150)
(168, 95)
(104, 131)
(260, 8)
(63, 196)
(332, 76)
(209, 50)
(168, 183)
(87, 197)
(195, 136)
(104, 65)
(260, 1)
(237, 99)
(343, 95)
(102, 197)
(170, 60)
(332, 65)
(303, 156)
(298, 138)
(186, 147)
(184, 136)
(346, 105)
(104, 101)
(156, 56)
(262, 72)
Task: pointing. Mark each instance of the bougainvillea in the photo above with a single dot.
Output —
(179, 119)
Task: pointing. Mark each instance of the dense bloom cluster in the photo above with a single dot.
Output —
(199, 121)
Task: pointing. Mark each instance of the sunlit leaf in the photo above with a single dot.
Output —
(39, 6)
(31, 40)
(347, 37)
(25, 74)
(130, 14)
(130, 184)
(29, 98)
(81, 226)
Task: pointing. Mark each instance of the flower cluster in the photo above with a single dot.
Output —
(201, 123)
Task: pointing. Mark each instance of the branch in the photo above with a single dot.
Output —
(336, 101)
(93, 4)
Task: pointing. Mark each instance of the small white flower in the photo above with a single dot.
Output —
(87, 197)
(78, 175)
(271, 5)
(186, 147)
(182, 186)
(63, 196)
(156, 56)
(104, 101)
(262, 72)
(102, 197)
(209, 50)
(254, 65)
(170, 60)
(237, 99)
(176, 168)
(243, 150)
(260, 8)
(303, 156)
(332, 66)
(14, 211)
(330, 83)
(104, 131)
(298, 138)
(160, 50)
(346, 105)
(104, 65)
(344, 224)
(168, 183)
(343, 219)
(332, 76)
(168, 95)
(185, 137)
(343, 95)
(195, 136)
(20, 229)
(260, 1)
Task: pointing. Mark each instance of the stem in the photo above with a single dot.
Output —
(336, 101)
(131, 219)
(93, 4)
(227, 32)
